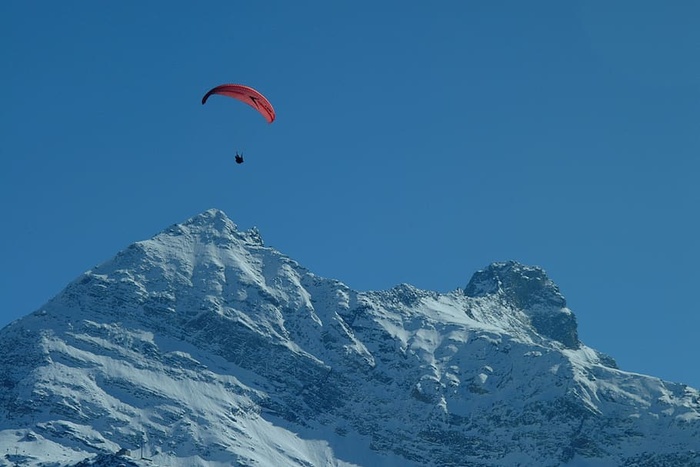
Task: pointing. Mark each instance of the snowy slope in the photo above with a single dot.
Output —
(202, 346)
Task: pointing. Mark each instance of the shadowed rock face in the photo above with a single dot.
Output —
(527, 288)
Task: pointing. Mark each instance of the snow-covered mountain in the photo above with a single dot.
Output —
(204, 347)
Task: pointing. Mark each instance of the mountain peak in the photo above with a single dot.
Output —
(523, 286)
(210, 216)
(530, 290)
(214, 223)
(212, 220)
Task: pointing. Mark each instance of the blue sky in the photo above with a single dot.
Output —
(414, 142)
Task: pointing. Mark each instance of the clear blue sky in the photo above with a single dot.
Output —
(415, 142)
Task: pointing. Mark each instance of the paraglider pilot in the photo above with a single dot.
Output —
(239, 158)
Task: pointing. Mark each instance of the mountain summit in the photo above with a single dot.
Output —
(202, 346)
(528, 289)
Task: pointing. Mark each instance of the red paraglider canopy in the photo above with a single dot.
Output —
(245, 94)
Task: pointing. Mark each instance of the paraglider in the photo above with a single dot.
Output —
(247, 95)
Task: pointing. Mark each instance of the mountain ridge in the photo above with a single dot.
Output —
(210, 348)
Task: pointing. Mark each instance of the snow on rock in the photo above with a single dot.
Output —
(528, 289)
(203, 347)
